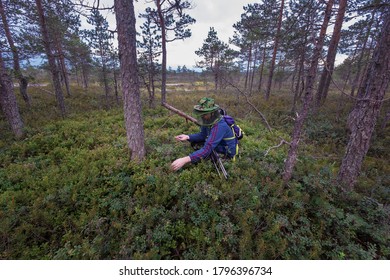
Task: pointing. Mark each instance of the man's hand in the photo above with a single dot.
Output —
(180, 162)
(182, 137)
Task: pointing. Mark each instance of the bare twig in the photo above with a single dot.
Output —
(47, 91)
(170, 115)
(277, 146)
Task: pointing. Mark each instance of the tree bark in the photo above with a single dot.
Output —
(310, 84)
(62, 63)
(276, 45)
(163, 51)
(51, 59)
(327, 72)
(8, 102)
(84, 74)
(301, 66)
(23, 81)
(116, 84)
(363, 118)
(262, 67)
(125, 20)
(248, 66)
(252, 79)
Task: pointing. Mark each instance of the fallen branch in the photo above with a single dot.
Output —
(47, 91)
(180, 113)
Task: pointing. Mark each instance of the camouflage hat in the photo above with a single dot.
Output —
(206, 105)
(206, 112)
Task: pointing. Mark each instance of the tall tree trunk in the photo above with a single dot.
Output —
(253, 70)
(23, 81)
(363, 118)
(297, 91)
(248, 67)
(163, 51)
(105, 83)
(276, 45)
(61, 60)
(84, 74)
(151, 77)
(327, 72)
(116, 85)
(310, 84)
(262, 67)
(51, 59)
(125, 21)
(8, 102)
(366, 64)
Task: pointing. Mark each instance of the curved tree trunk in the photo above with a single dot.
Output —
(363, 118)
(310, 84)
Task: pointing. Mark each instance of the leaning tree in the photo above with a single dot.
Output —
(363, 117)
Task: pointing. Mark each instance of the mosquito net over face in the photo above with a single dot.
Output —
(207, 112)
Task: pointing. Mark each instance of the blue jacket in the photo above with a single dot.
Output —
(216, 138)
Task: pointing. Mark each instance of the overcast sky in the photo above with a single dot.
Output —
(220, 14)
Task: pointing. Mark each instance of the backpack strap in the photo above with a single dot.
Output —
(234, 135)
(231, 138)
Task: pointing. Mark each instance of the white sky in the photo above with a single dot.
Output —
(220, 14)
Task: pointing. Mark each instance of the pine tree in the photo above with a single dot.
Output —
(216, 55)
(363, 118)
(253, 35)
(50, 56)
(125, 21)
(150, 50)
(8, 101)
(23, 81)
(170, 16)
(99, 40)
(308, 98)
(329, 64)
(275, 50)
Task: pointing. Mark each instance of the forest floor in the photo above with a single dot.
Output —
(69, 191)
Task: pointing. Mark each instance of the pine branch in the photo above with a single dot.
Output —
(180, 113)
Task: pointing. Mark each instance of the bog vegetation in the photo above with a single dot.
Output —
(87, 142)
(69, 191)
